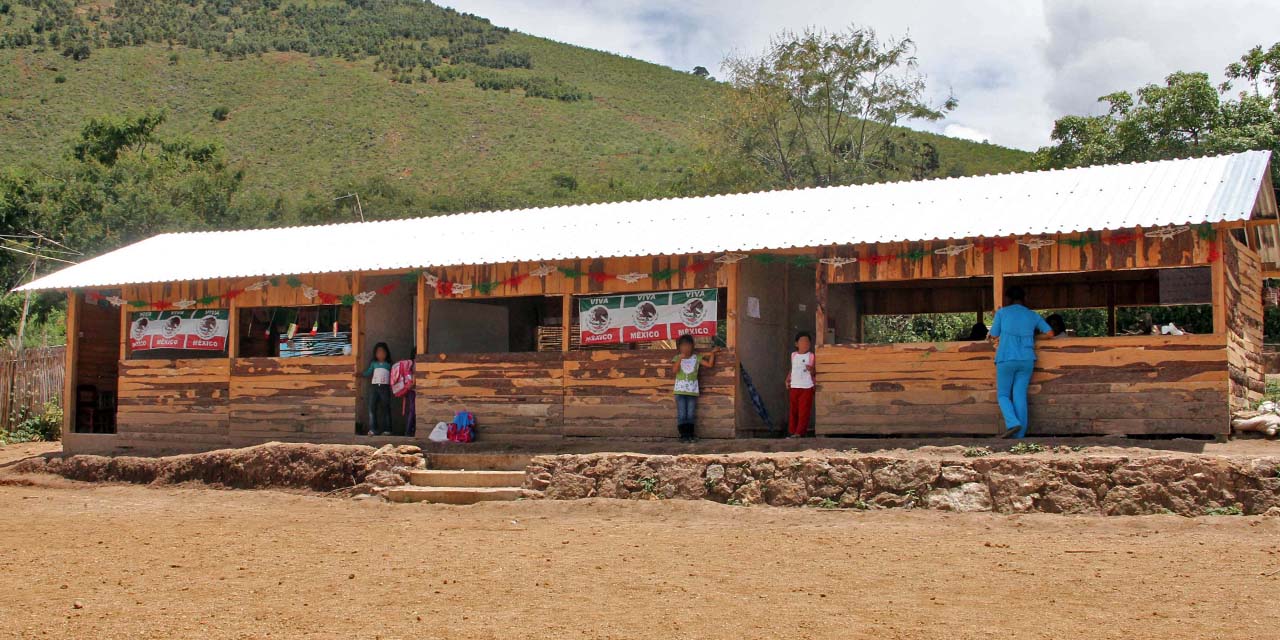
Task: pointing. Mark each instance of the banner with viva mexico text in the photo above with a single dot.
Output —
(191, 330)
(647, 317)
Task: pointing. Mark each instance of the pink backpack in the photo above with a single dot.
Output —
(401, 378)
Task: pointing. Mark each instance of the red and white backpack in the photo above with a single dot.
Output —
(401, 378)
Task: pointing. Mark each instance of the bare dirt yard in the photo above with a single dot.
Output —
(121, 561)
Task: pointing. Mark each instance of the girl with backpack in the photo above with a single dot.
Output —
(379, 374)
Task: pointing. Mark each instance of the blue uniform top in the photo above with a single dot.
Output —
(1016, 326)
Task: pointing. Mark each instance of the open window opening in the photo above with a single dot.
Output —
(648, 320)
(933, 310)
(1170, 301)
(496, 325)
(97, 368)
(295, 332)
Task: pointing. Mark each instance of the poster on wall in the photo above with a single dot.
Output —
(190, 330)
(647, 317)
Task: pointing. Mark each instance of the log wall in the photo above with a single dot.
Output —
(175, 404)
(525, 396)
(293, 399)
(517, 396)
(628, 394)
(1242, 292)
(1144, 385)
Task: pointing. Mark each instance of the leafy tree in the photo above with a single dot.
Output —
(701, 72)
(120, 182)
(1186, 116)
(821, 108)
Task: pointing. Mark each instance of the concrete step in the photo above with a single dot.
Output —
(452, 495)
(455, 478)
(478, 461)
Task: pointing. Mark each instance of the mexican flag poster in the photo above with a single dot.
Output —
(647, 317)
(190, 330)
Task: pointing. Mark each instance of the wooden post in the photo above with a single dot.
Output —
(124, 332)
(820, 280)
(731, 307)
(423, 308)
(566, 314)
(233, 329)
(69, 369)
(1218, 278)
(357, 323)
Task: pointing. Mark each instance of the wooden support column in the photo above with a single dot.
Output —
(69, 370)
(566, 318)
(820, 280)
(357, 323)
(423, 308)
(731, 308)
(1218, 278)
(124, 333)
(233, 329)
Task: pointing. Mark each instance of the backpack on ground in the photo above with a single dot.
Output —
(401, 378)
(463, 427)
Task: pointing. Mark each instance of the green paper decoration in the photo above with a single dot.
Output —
(1082, 241)
(663, 275)
(804, 261)
(915, 256)
(412, 276)
(569, 272)
(137, 304)
(1205, 231)
(484, 288)
(294, 282)
(348, 300)
(766, 258)
(209, 299)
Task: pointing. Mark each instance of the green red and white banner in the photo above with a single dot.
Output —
(647, 317)
(190, 330)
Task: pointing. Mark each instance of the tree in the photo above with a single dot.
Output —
(701, 72)
(821, 108)
(1184, 117)
(120, 182)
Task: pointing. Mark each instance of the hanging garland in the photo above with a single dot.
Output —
(294, 282)
(444, 288)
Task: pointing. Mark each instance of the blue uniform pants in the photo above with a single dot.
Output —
(1012, 379)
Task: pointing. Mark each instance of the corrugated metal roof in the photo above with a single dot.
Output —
(1148, 194)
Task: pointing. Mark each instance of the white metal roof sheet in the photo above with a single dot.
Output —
(1212, 189)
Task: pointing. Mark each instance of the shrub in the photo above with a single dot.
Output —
(976, 452)
(221, 113)
(1230, 510)
(35, 427)
(1023, 448)
(59, 79)
(565, 181)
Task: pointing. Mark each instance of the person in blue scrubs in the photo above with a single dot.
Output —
(1015, 327)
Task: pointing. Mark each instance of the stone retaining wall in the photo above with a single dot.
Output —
(1049, 483)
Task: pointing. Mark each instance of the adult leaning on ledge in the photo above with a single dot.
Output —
(1015, 330)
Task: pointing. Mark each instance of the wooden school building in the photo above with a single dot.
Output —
(559, 322)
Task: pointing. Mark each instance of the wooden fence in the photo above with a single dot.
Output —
(28, 381)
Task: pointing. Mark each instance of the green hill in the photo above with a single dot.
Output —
(415, 107)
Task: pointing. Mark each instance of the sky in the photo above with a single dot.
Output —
(1014, 65)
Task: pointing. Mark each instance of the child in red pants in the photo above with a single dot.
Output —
(800, 386)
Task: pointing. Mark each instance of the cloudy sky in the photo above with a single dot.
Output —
(1015, 65)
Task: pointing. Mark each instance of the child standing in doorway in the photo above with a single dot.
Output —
(800, 386)
(685, 367)
(379, 374)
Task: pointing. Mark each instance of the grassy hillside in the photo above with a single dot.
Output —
(308, 127)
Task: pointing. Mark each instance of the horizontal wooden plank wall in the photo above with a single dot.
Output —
(1242, 291)
(279, 295)
(515, 396)
(628, 394)
(1135, 251)
(292, 399)
(1141, 385)
(713, 275)
(174, 404)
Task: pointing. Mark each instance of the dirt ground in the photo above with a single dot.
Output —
(173, 562)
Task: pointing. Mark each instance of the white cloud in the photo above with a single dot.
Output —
(1015, 66)
(965, 133)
